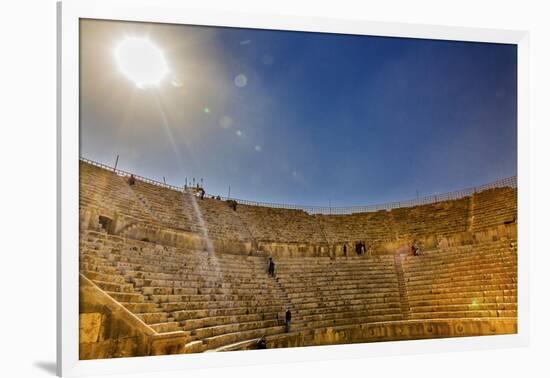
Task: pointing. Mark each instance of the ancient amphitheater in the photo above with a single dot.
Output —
(164, 272)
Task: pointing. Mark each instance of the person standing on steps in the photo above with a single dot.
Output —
(271, 267)
(261, 343)
(414, 248)
(131, 180)
(288, 318)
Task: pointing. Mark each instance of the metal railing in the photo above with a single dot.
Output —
(509, 182)
(127, 174)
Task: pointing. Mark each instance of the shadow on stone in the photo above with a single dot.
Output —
(47, 366)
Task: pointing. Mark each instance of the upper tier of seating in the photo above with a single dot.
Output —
(172, 209)
(281, 225)
(493, 207)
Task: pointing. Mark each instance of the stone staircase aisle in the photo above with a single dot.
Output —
(403, 296)
(297, 323)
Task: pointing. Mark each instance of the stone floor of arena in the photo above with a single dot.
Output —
(164, 272)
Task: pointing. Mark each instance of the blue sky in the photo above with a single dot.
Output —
(302, 118)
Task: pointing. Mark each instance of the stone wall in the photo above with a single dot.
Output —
(393, 331)
(108, 330)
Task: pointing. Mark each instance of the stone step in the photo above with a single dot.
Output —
(114, 287)
(139, 308)
(221, 320)
(176, 306)
(126, 297)
(182, 315)
(166, 327)
(230, 338)
(217, 330)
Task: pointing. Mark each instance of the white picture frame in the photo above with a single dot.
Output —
(170, 11)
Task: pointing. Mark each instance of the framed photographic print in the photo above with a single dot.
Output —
(237, 185)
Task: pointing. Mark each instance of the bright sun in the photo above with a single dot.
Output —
(141, 61)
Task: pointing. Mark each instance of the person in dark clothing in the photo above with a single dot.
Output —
(271, 267)
(232, 204)
(345, 250)
(261, 343)
(131, 180)
(359, 248)
(414, 249)
(288, 318)
(202, 193)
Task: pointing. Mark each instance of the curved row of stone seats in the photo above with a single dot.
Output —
(440, 218)
(100, 265)
(105, 190)
(494, 207)
(476, 280)
(359, 226)
(326, 292)
(164, 207)
(154, 204)
(167, 205)
(281, 225)
(213, 298)
(221, 221)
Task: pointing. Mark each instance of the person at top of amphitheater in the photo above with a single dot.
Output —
(131, 180)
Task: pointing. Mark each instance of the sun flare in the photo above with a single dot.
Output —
(141, 61)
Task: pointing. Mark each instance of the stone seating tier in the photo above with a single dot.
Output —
(154, 206)
(218, 299)
(191, 291)
(494, 207)
(477, 280)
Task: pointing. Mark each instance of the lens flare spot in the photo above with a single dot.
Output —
(241, 80)
(206, 110)
(258, 148)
